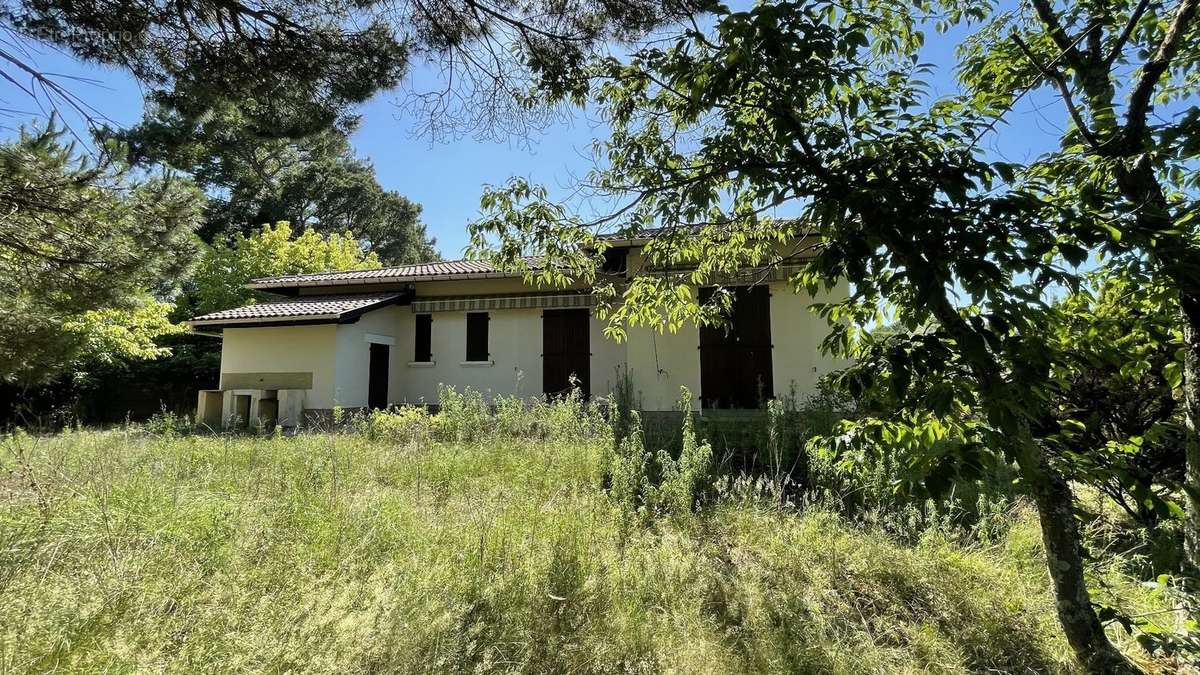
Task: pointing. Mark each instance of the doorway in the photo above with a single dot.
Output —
(377, 378)
(735, 356)
(566, 351)
(240, 419)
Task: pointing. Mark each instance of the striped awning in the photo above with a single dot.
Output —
(752, 275)
(762, 275)
(478, 303)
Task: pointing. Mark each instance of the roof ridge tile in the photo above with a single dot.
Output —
(448, 268)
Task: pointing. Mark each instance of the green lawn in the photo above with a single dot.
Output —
(335, 553)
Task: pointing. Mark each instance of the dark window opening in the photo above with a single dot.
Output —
(423, 352)
(616, 261)
(477, 336)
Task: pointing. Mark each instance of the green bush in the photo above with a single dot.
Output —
(169, 423)
(644, 483)
(513, 418)
(685, 480)
(404, 425)
(622, 405)
(467, 417)
(461, 416)
(568, 417)
(628, 473)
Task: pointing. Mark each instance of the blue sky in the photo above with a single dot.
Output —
(447, 177)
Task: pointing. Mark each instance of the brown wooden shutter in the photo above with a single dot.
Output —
(477, 336)
(735, 356)
(566, 350)
(423, 353)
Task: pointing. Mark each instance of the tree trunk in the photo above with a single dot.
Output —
(1064, 558)
(1051, 493)
(1190, 306)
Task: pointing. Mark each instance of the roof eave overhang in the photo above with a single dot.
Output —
(642, 241)
(349, 316)
(626, 243)
(259, 321)
(265, 285)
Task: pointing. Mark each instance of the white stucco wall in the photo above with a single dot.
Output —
(285, 349)
(354, 355)
(797, 362)
(607, 357)
(514, 346)
(658, 363)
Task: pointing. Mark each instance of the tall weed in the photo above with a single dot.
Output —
(644, 483)
(629, 481)
(685, 480)
(462, 416)
(408, 425)
(466, 417)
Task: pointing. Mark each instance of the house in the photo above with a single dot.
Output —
(373, 338)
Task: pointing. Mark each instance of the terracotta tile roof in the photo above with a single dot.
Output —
(448, 269)
(314, 307)
(645, 234)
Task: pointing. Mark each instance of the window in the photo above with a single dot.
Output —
(477, 336)
(423, 353)
(616, 261)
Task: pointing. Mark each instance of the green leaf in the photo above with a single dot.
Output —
(1173, 374)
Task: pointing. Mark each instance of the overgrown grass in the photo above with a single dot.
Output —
(357, 552)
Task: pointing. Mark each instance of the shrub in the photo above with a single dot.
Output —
(879, 487)
(644, 483)
(462, 417)
(629, 483)
(570, 417)
(466, 417)
(622, 405)
(514, 418)
(168, 423)
(685, 480)
(408, 425)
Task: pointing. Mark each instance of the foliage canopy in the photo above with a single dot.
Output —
(226, 267)
(85, 243)
(312, 181)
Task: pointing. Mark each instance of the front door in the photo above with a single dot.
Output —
(377, 379)
(566, 351)
(735, 357)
